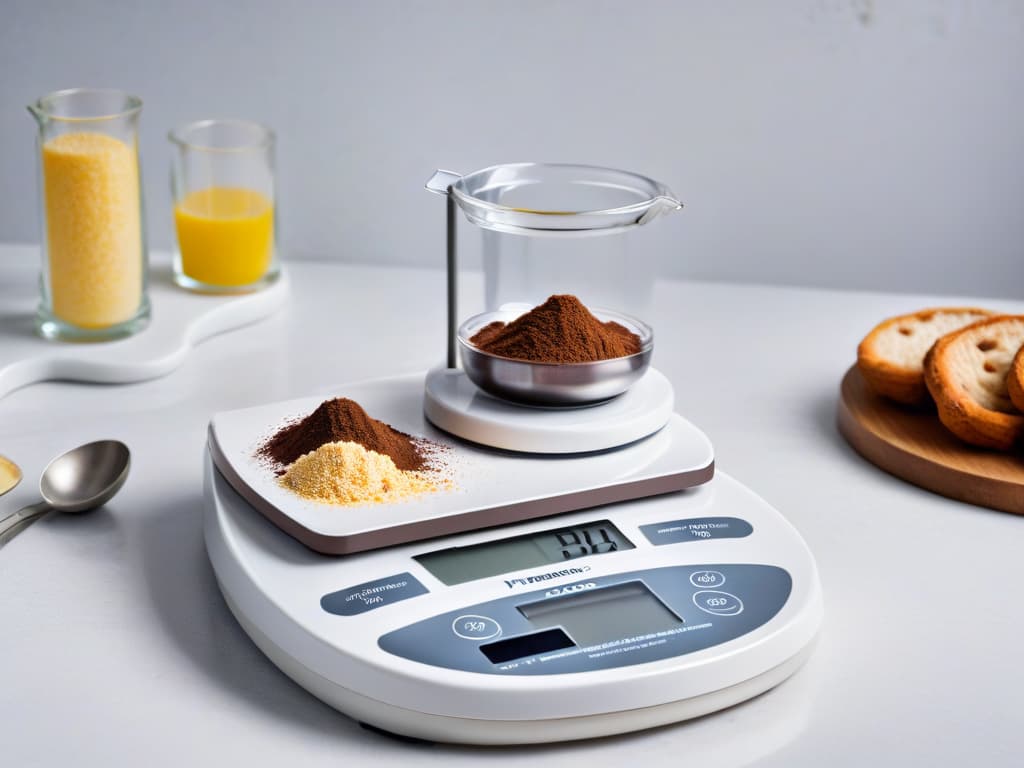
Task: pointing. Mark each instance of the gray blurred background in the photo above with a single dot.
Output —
(869, 144)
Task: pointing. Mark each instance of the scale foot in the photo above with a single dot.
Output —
(395, 736)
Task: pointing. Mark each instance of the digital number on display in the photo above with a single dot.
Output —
(457, 565)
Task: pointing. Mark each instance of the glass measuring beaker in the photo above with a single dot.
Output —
(222, 179)
(93, 233)
(554, 228)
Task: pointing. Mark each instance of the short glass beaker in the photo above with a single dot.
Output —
(93, 285)
(222, 179)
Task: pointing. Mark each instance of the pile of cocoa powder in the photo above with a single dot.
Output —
(561, 330)
(344, 420)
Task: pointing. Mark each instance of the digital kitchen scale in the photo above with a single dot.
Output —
(487, 621)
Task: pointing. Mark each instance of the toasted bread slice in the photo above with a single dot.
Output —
(1015, 380)
(966, 374)
(891, 357)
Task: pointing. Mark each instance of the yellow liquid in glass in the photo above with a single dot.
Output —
(226, 235)
(93, 229)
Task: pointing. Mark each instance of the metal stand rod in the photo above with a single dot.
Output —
(453, 283)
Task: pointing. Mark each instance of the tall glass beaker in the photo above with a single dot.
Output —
(93, 236)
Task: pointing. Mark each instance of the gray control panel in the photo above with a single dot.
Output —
(599, 623)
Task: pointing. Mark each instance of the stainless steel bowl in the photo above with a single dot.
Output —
(553, 384)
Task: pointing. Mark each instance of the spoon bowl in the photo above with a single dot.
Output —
(85, 477)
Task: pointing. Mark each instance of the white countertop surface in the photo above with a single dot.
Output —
(118, 648)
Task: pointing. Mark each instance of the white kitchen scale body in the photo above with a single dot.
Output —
(473, 615)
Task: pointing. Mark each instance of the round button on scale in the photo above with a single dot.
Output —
(718, 603)
(472, 627)
(707, 579)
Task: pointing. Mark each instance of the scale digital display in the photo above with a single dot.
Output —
(586, 619)
(600, 615)
(458, 565)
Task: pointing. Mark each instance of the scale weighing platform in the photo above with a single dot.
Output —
(634, 614)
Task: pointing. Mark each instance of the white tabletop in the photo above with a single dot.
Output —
(118, 648)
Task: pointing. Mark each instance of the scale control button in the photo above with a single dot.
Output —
(471, 627)
(705, 579)
(718, 603)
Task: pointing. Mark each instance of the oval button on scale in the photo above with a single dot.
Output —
(718, 603)
(472, 627)
(707, 579)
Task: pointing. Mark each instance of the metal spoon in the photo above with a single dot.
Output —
(10, 475)
(80, 480)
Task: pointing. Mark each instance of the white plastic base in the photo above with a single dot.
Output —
(462, 730)
(271, 585)
(493, 488)
(180, 321)
(454, 404)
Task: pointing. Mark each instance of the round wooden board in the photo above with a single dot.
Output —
(913, 445)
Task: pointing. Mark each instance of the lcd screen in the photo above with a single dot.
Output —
(599, 615)
(461, 564)
(526, 645)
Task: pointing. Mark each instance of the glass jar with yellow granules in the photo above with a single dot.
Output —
(93, 235)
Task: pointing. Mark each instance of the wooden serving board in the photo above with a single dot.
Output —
(913, 445)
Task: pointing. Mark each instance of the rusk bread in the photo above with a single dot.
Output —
(891, 357)
(966, 374)
(1015, 380)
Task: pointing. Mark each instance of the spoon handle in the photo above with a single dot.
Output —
(15, 523)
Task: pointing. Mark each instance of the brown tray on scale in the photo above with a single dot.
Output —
(913, 445)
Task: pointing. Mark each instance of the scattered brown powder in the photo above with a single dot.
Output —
(344, 420)
(561, 330)
(346, 473)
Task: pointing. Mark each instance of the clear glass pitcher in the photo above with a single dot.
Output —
(550, 228)
(93, 233)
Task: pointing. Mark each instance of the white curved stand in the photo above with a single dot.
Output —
(453, 403)
(180, 321)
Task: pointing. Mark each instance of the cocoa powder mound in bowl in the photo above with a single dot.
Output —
(561, 330)
(557, 355)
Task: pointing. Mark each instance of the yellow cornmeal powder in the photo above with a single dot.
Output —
(348, 474)
(93, 228)
(10, 475)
